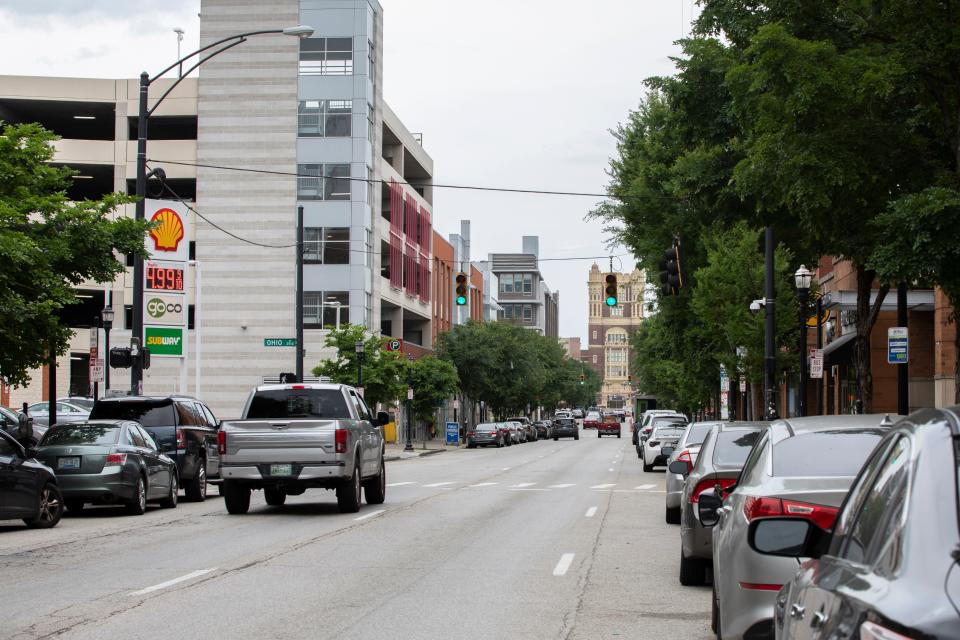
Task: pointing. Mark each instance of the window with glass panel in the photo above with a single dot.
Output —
(326, 245)
(323, 181)
(528, 283)
(324, 118)
(320, 308)
(326, 56)
(506, 283)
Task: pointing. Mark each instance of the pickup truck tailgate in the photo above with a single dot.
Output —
(253, 441)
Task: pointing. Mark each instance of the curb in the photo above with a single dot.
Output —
(428, 452)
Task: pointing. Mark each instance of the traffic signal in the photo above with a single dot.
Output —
(461, 289)
(671, 270)
(145, 356)
(120, 358)
(288, 378)
(611, 289)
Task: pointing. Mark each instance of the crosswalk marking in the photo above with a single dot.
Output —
(602, 486)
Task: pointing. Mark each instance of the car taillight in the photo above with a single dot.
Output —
(181, 439)
(873, 631)
(685, 457)
(471, 433)
(115, 460)
(818, 514)
(493, 433)
(341, 441)
(222, 442)
(706, 485)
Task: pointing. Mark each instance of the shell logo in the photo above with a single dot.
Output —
(168, 231)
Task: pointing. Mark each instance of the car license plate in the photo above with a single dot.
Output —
(68, 463)
(281, 469)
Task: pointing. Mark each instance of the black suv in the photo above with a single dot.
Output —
(184, 429)
(28, 489)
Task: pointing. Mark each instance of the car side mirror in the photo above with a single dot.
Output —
(708, 508)
(383, 419)
(679, 467)
(31, 452)
(787, 537)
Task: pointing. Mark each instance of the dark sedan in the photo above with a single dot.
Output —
(543, 429)
(28, 488)
(485, 434)
(890, 567)
(565, 428)
(109, 462)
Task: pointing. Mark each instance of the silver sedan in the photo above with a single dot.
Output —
(687, 449)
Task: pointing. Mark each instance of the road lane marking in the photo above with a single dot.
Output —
(602, 486)
(170, 583)
(564, 564)
(437, 484)
(505, 469)
(561, 486)
(398, 484)
(522, 484)
(484, 484)
(369, 515)
(592, 511)
(529, 489)
(644, 487)
(610, 469)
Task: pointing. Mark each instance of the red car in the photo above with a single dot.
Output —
(610, 425)
(592, 421)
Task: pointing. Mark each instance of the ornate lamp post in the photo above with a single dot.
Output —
(360, 352)
(106, 317)
(802, 279)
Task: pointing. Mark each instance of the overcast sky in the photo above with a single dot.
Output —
(507, 93)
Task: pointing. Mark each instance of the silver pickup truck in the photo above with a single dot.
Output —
(295, 437)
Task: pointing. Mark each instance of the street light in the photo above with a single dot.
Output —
(802, 279)
(106, 316)
(360, 351)
(136, 333)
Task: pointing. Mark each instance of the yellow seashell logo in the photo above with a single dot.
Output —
(168, 231)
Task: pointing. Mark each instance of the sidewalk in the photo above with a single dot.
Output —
(394, 451)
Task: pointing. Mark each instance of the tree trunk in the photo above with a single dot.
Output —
(866, 319)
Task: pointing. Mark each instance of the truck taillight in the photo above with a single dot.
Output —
(115, 460)
(706, 485)
(181, 439)
(222, 442)
(341, 441)
(820, 515)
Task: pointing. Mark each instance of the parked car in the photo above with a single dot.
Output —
(563, 413)
(485, 434)
(609, 426)
(10, 422)
(686, 450)
(109, 462)
(543, 429)
(724, 450)
(577, 414)
(184, 429)
(592, 420)
(565, 428)
(28, 488)
(529, 433)
(889, 568)
(647, 417)
(521, 431)
(66, 412)
(508, 437)
(82, 402)
(657, 421)
(294, 437)
(801, 467)
(662, 443)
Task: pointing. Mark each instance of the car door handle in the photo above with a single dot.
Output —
(796, 611)
(819, 619)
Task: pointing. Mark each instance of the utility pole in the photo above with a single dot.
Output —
(299, 349)
(769, 356)
(903, 370)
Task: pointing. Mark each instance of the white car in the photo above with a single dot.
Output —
(563, 414)
(662, 442)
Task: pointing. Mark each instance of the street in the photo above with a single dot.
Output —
(545, 540)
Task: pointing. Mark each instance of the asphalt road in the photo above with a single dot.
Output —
(542, 540)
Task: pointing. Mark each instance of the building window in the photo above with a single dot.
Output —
(616, 312)
(516, 283)
(323, 181)
(594, 334)
(371, 59)
(371, 129)
(594, 357)
(506, 283)
(324, 118)
(320, 308)
(617, 337)
(326, 245)
(326, 56)
(527, 313)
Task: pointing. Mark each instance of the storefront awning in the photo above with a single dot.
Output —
(840, 349)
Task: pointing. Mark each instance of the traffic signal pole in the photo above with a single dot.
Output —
(299, 347)
(769, 355)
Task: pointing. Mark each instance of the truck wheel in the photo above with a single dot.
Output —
(348, 493)
(274, 496)
(375, 488)
(197, 488)
(236, 498)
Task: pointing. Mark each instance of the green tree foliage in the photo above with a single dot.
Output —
(384, 372)
(433, 381)
(48, 246)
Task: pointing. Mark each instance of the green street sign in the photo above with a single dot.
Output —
(164, 341)
(279, 342)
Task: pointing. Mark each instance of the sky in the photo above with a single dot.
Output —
(507, 93)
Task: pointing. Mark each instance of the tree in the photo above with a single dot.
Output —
(384, 372)
(433, 381)
(48, 246)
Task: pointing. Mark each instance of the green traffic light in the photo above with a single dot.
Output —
(461, 300)
(611, 301)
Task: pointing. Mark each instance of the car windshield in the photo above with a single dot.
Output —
(83, 403)
(698, 431)
(486, 427)
(733, 447)
(824, 453)
(663, 421)
(566, 421)
(85, 434)
(669, 431)
(149, 413)
(327, 404)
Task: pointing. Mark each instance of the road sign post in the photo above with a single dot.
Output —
(816, 363)
(897, 345)
(453, 433)
(279, 342)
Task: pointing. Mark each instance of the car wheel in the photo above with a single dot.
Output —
(49, 509)
(618, 435)
(171, 500)
(138, 506)
(235, 497)
(576, 437)
(672, 516)
(647, 467)
(74, 506)
(375, 488)
(693, 571)
(555, 438)
(599, 434)
(348, 493)
(197, 489)
(274, 496)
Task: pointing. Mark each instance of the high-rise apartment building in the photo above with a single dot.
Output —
(523, 296)
(608, 348)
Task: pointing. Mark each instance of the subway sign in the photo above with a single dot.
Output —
(164, 341)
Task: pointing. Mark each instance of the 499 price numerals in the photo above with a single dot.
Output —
(164, 278)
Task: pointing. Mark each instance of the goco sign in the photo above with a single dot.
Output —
(168, 310)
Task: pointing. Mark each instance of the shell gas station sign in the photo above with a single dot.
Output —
(165, 299)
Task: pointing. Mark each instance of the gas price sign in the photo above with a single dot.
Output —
(164, 277)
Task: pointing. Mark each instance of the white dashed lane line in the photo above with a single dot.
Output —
(645, 487)
(522, 485)
(560, 486)
(592, 511)
(564, 564)
(437, 484)
(170, 583)
(398, 484)
(483, 484)
(602, 486)
(370, 515)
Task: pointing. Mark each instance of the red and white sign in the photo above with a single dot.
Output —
(169, 238)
